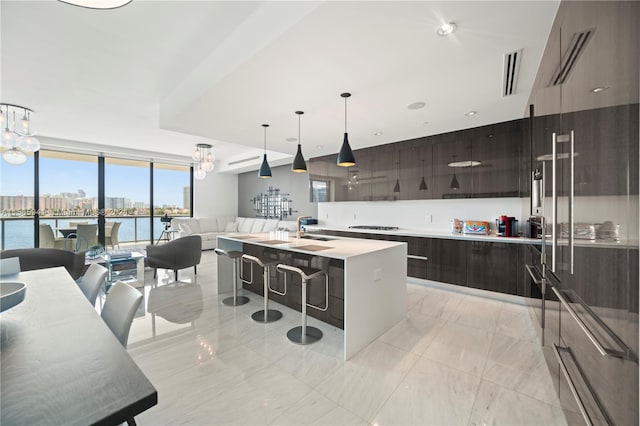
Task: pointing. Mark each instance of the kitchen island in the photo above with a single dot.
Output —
(372, 277)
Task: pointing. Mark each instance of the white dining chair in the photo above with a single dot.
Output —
(9, 265)
(119, 309)
(92, 280)
(86, 236)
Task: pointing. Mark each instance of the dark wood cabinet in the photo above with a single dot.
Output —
(496, 267)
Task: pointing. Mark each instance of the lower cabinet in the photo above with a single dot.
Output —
(494, 266)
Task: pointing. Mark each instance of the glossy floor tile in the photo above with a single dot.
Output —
(455, 359)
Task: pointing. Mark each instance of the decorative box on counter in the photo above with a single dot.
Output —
(476, 227)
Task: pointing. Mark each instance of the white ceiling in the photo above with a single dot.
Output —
(165, 75)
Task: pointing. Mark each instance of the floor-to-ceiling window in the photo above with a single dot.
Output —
(127, 201)
(16, 204)
(171, 194)
(68, 193)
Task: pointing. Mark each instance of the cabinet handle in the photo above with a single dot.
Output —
(413, 256)
(565, 371)
(571, 201)
(554, 202)
(533, 275)
(581, 324)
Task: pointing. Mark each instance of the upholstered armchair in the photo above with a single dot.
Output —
(177, 254)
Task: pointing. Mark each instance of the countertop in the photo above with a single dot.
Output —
(430, 233)
(491, 238)
(336, 247)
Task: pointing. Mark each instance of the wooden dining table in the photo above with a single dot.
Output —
(60, 363)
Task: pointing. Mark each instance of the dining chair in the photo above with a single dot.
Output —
(10, 265)
(119, 309)
(92, 280)
(86, 236)
(48, 239)
(111, 235)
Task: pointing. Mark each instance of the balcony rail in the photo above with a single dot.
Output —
(17, 232)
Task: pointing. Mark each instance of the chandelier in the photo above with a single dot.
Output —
(203, 160)
(18, 139)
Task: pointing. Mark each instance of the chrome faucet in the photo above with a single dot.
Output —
(298, 227)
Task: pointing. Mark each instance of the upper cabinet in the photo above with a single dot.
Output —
(473, 163)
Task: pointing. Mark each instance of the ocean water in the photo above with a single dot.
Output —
(19, 233)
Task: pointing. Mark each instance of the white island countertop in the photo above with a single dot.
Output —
(335, 247)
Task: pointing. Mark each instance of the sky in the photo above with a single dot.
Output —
(58, 176)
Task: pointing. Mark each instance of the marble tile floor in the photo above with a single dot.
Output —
(454, 360)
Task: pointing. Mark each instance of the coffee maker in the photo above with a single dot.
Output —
(507, 226)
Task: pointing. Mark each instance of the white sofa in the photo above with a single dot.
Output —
(210, 227)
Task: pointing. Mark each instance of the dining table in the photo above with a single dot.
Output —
(59, 362)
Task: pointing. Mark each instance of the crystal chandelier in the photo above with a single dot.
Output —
(203, 160)
(17, 137)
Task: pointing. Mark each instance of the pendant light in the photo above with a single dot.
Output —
(423, 183)
(454, 181)
(299, 165)
(345, 157)
(265, 170)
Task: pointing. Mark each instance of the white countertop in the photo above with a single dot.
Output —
(337, 247)
(431, 233)
(491, 238)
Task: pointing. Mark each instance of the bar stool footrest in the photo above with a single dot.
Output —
(240, 300)
(313, 335)
(271, 316)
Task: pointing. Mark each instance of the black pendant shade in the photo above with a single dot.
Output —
(265, 170)
(299, 165)
(396, 188)
(454, 183)
(346, 157)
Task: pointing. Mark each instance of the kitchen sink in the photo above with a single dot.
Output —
(316, 237)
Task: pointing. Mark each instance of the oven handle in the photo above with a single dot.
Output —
(554, 202)
(416, 257)
(581, 324)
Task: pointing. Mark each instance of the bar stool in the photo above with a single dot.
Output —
(234, 300)
(305, 334)
(264, 315)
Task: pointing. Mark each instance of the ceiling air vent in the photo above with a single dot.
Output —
(244, 160)
(511, 69)
(577, 46)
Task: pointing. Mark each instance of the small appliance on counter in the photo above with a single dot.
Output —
(476, 227)
(507, 226)
(536, 226)
(456, 226)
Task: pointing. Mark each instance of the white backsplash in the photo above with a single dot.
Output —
(422, 214)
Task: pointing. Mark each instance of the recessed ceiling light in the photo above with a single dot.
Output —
(377, 134)
(291, 139)
(416, 105)
(446, 29)
(470, 113)
(599, 89)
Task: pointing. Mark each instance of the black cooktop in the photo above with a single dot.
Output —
(375, 227)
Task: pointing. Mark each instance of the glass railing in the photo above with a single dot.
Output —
(17, 232)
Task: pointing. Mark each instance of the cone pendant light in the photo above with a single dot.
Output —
(265, 170)
(346, 157)
(299, 165)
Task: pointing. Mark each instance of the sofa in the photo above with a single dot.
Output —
(210, 227)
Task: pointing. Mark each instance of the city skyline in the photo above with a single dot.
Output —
(59, 176)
